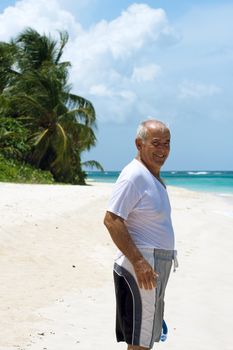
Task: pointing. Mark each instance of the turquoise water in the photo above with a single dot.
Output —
(220, 182)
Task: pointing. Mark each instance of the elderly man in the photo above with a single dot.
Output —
(139, 222)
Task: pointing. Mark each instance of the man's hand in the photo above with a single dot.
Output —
(146, 276)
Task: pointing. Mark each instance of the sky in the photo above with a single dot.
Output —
(170, 60)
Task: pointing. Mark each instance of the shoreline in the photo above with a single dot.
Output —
(219, 182)
(92, 182)
(56, 262)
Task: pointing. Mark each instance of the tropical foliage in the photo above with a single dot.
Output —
(41, 121)
(15, 171)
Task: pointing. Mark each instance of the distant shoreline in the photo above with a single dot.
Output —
(219, 182)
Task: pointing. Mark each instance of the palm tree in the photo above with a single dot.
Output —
(61, 124)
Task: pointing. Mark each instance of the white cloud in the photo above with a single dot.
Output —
(127, 95)
(113, 53)
(122, 37)
(108, 59)
(146, 73)
(190, 89)
(42, 15)
(100, 90)
(129, 32)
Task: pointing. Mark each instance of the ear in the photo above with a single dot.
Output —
(138, 143)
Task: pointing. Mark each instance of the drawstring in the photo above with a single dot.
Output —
(175, 261)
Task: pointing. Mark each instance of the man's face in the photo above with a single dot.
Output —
(156, 147)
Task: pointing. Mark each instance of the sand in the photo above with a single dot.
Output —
(56, 262)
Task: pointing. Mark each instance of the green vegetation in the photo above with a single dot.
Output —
(42, 124)
(15, 171)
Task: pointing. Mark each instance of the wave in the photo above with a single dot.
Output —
(198, 172)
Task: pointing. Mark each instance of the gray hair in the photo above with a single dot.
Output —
(142, 128)
(141, 131)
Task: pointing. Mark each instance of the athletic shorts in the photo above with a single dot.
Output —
(139, 312)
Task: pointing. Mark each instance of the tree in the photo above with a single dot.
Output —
(61, 124)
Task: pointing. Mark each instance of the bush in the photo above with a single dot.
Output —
(13, 138)
(13, 171)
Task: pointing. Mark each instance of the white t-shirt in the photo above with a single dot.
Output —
(142, 201)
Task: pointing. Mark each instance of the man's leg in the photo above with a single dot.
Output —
(135, 347)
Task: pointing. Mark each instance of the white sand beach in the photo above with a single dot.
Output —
(56, 262)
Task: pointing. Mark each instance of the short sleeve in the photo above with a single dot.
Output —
(123, 199)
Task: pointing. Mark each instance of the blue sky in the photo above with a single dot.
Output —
(170, 60)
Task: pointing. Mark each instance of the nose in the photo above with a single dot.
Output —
(162, 148)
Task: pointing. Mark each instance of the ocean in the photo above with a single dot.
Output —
(219, 182)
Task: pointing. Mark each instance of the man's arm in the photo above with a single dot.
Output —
(145, 274)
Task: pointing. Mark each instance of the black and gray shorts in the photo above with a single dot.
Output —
(139, 312)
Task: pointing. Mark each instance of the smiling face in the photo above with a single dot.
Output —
(154, 150)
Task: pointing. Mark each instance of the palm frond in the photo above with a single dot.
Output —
(40, 137)
(87, 138)
(85, 111)
(28, 105)
(92, 164)
(64, 37)
(64, 137)
(35, 49)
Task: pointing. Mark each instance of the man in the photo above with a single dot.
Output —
(138, 220)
